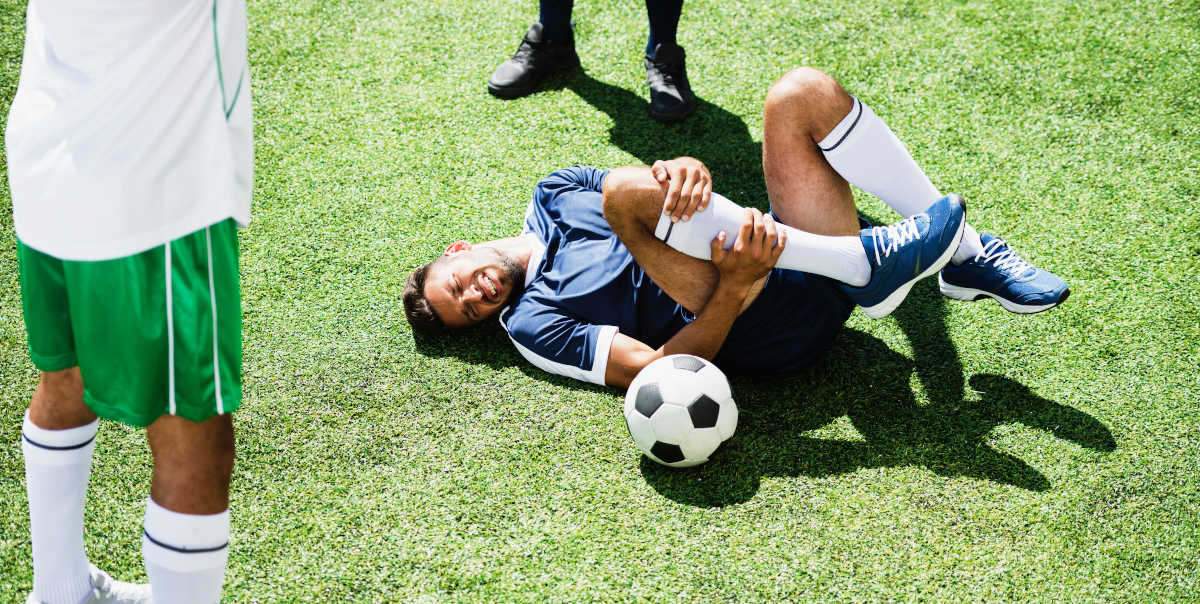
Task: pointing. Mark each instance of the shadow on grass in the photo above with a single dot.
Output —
(713, 135)
(487, 344)
(870, 384)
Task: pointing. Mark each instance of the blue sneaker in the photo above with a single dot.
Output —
(1000, 273)
(906, 252)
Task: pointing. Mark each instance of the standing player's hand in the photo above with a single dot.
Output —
(754, 253)
(686, 185)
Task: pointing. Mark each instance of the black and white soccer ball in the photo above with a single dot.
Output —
(679, 410)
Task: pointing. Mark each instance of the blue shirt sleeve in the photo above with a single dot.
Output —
(568, 199)
(583, 177)
(557, 343)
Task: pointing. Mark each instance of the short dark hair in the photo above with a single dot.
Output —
(417, 309)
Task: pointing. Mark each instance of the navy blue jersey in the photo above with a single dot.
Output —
(584, 287)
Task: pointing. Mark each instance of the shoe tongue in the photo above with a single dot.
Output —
(535, 33)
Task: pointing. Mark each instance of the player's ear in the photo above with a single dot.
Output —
(458, 246)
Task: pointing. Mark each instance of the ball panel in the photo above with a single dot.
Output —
(712, 381)
(727, 420)
(700, 444)
(667, 452)
(641, 430)
(649, 399)
(704, 412)
(688, 363)
(671, 423)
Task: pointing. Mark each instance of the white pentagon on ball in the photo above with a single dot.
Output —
(679, 410)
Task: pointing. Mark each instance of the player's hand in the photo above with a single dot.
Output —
(686, 185)
(754, 253)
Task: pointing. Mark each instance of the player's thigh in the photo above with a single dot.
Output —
(160, 332)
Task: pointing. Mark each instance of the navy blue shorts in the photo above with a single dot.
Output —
(792, 322)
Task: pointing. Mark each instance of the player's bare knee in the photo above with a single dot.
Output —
(58, 401)
(187, 446)
(193, 463)
(807, 94)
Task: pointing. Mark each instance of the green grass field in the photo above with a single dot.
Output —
(950, 452)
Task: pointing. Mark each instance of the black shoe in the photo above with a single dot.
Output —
(671, 98)
(534, 61)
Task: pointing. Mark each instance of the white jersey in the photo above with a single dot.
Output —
(131, 124)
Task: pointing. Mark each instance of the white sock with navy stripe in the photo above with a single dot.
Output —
(839, 258)
(185, 554)
(869, 156)
(57, 466)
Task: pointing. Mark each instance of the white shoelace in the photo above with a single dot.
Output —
(897, 235)
(998, 252)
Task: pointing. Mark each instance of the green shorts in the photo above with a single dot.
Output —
(152, 333)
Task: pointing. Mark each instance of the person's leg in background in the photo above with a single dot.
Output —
(671, 97)
(547, 48)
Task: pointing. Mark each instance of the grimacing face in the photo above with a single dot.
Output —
(468, 286)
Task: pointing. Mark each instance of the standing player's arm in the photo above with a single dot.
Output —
(740, 269)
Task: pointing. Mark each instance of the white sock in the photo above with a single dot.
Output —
(839, 258)
(185, 554)
(869, 156)
(57, 465)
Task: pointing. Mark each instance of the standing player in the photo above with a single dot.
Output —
(130, 165)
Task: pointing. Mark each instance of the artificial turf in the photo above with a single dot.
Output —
(952, 452)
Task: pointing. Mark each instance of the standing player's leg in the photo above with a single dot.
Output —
(547, 48)
(671, 97)
(57, 440)
(186, 538)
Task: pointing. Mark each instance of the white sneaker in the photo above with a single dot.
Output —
(107, 590)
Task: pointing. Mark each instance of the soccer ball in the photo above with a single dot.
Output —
(679, 410)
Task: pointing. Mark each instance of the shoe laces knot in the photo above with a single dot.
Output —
(896, 235)
(1006, 259)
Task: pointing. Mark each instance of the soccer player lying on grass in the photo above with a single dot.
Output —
(608, 276)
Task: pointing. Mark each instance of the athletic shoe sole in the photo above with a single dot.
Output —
(971, 294)
(890, 303)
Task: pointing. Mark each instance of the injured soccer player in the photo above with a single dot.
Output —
(616, 268)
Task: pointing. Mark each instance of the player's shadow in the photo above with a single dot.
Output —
(864, 380)
(713, 135)
(488, 345)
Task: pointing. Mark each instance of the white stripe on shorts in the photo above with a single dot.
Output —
(212, 293)
(170, 333)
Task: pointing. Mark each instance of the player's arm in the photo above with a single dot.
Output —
(740, 270)
(633, 204)
(678, 187)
